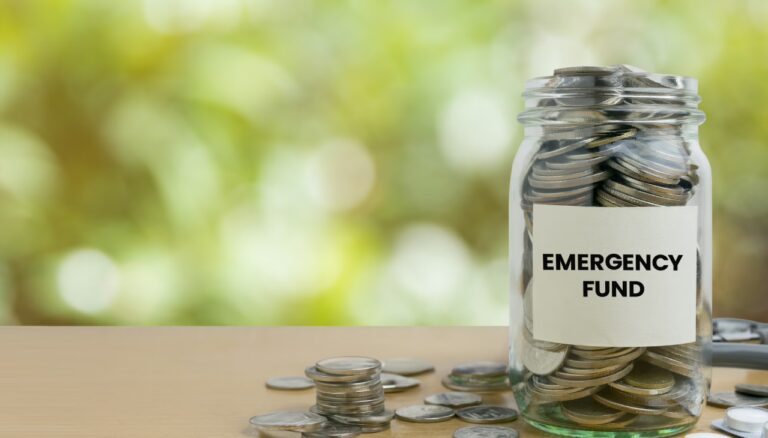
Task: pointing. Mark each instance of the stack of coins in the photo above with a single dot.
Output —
(350, 391)
(478, 377)
(643, 162)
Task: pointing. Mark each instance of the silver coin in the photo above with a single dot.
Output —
(396, 383)
(732, 399)
(290, 383)
(296, 421)
(485, 369)
(407, 366)
(554, 148)
(487, 414)
(561, 395)
(485, 432)
(753, 390)
(319, 376)
(672, 364)
(574, 362)
(334, 430)
(365, 420)
(348, 365)
(477, 387)
(540, 361)
(615, 401)
(570, 183)
(454, 399)
(424, 413)
(581, 382)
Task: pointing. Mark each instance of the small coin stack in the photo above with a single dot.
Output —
(350, 392)
(477, 377)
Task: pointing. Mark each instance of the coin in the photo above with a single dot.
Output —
(397, 383)
(589, 412)
(334, 430)
(407, 366)
(365, 420)
(424, 413)
(485, 432)
(540, 361)
(753, 390)
(296, 421)
(627, 388)
(731, 399)
(650, 377)
(597, 381)
(454, 399)
(487, 414)
(448, 383)
(290, 383)
(485, 369)
(319, 376)
(613, 400)
(602, 363)
(348, 365)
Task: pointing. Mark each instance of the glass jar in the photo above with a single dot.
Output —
(610, 304)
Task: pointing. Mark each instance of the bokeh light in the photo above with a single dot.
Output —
(306, 162)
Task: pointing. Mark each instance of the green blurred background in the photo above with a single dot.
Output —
(324, 162)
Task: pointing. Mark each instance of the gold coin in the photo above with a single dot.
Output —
(589, 412)
(586, 383)
(613, 400)
(650, 377)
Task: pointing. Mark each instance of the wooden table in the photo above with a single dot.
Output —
(207, 381)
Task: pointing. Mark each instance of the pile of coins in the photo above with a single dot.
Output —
(610, 388)
(477, 377)
(350, 399)
(350, 392)
(594, 159)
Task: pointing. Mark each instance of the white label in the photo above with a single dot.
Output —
(614, 277)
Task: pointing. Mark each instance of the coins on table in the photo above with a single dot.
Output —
(424, 413)
(350, 387)
(477, 377)
(454, 399)
(407, 366)
(487, 414)
(292, 383)
(296, 421)
(731, 399)
(485, 432)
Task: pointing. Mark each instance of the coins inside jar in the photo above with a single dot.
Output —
(608, 148)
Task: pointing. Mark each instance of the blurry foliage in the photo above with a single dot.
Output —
(306, 162)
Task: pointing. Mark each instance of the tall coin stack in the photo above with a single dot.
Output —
(350, 391)
(645, 161)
